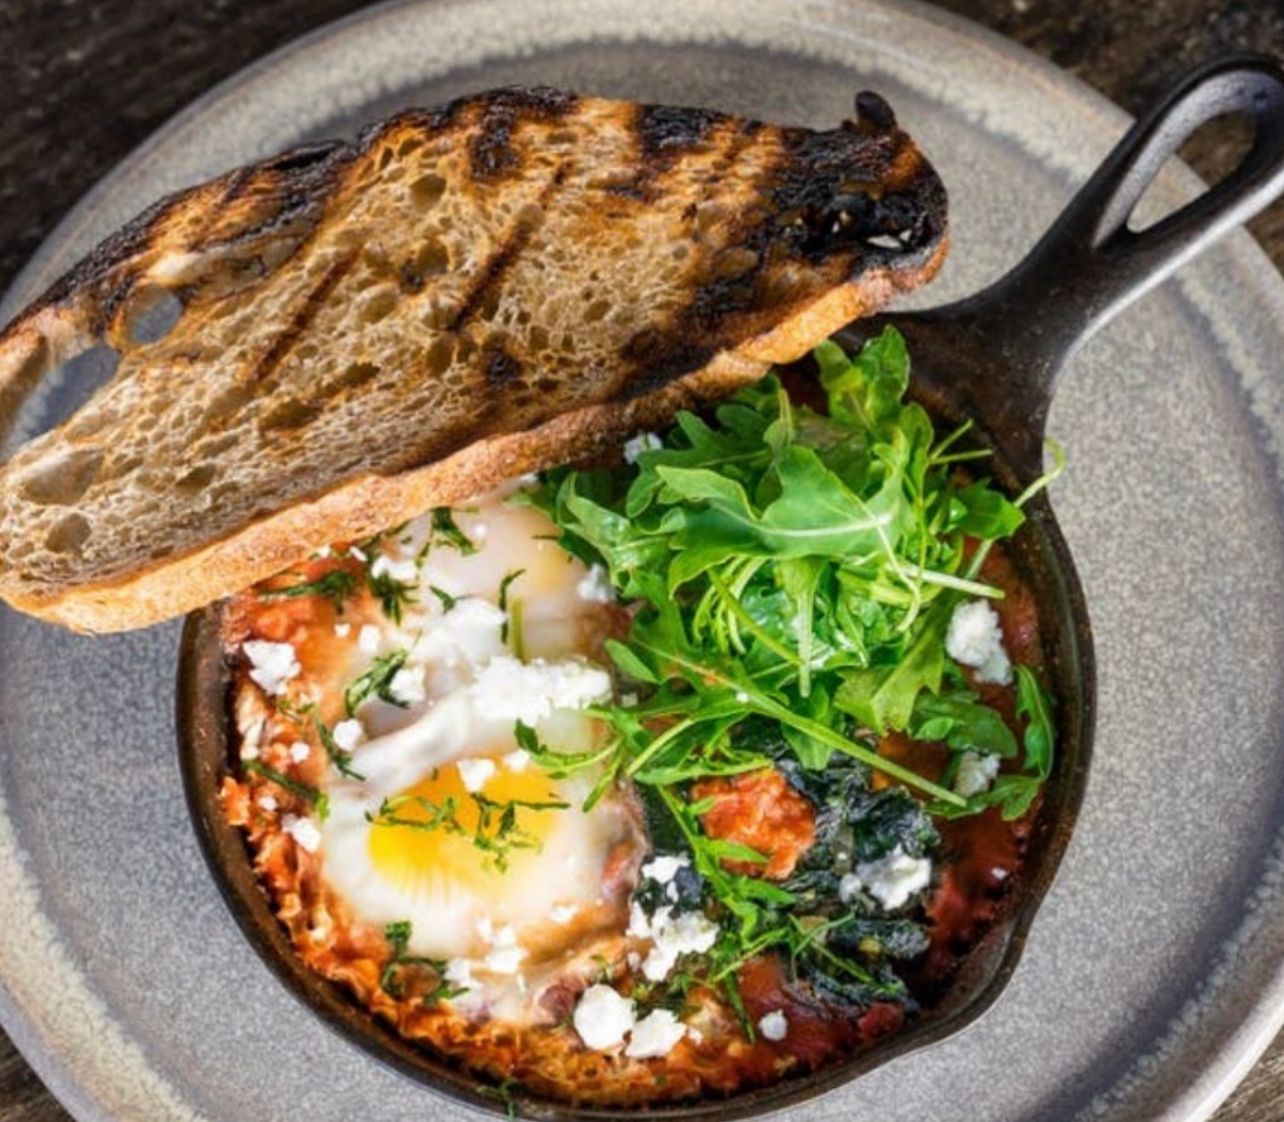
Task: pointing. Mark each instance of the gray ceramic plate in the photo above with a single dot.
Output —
(1154, 974)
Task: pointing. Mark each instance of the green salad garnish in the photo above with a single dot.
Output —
(795, 573)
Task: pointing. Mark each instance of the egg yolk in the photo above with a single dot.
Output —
(443, 845)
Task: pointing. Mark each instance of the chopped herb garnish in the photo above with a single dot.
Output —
(504, 586)
(319, 800)
(340, 759)
(445, 530)
(398, 936)
(336, 585)
(393, 595)
(448, 601)
(496, 830)
(376, 682)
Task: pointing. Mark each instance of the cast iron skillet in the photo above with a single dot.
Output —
(993, 358)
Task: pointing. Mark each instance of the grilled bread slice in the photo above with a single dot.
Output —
(365, 330)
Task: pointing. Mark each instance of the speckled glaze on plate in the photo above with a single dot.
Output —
(1154, 974)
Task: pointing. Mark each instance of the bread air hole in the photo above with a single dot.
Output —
(149, 314)
(68, 534)
(62, 479)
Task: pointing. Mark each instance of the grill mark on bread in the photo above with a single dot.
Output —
(501, 258)
(490, 152)
(302, 317)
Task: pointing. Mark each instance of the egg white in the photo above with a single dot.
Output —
(457, 909)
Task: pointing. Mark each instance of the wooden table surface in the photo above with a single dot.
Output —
(86, 80)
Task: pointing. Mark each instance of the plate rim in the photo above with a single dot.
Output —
(1238, 1049)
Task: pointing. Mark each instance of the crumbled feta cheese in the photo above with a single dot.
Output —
(664, 867)
(368, 639)
(594, 587)
(474, 773)
(975, 774)
(342, 630)
(407, 685)
(468, 634)
(504, 960)
(303, 831)
(459, 973)
(975, 640)
(530, 691)
(602, 1017)
(249, 752)
(655, 1035)
(268, 803)
(271, 664)
(773, 1025)
(299, 751)
(563, 913)
(639, 922)
(323, 552)
(402, 570)
(348, 734)
(673, 936)
(634, 960)
(517, 760)
(355, 551)
(642, 442)
(891, 880)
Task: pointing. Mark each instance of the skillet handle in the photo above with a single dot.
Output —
(1090, 265)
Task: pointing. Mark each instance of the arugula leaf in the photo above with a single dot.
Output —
(883, 699)
(957, 718)
(1035, 705)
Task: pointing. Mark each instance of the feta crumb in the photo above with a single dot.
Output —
(664, 867)
(602, 1017)
(655, 1035)
(975, 640)
(474, 773)
(268, 803)
(249, 752)
(468, 634)
(891, 880)
(673, 936)
(271, 664)
(303, 831)
(459, 973)
(358, 553)
(634, 960)
(299, 751)
(562, 914)
(348, 734)
(642, 442)
(639, 923)
(594, 587)
(403, 571)
(517, 760)
(323, 552)
(529, 692)
(504, 960)
(342, 630)
(368, 639)
(975, 774)
(407, 685)
(773, 1025)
